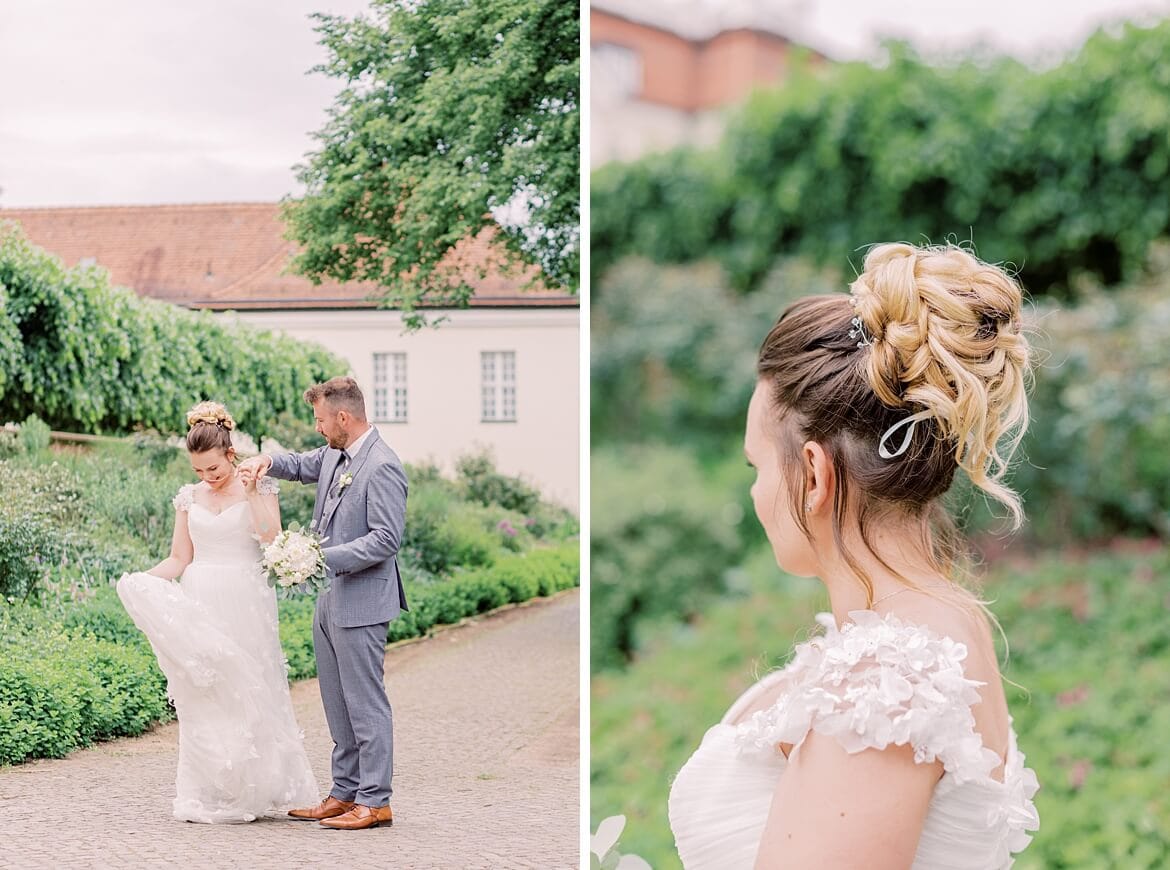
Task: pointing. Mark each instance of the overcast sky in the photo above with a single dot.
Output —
(152, 101)
(149, 101)
(1025, 28)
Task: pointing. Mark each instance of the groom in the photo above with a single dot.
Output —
(361, 509)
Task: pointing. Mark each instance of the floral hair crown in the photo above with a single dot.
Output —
(215, 418)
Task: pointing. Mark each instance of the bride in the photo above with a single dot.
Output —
(886, 741)
(215, 635)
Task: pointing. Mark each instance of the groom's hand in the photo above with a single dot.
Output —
(253, 469)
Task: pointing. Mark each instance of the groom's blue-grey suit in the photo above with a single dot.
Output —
(363, 522)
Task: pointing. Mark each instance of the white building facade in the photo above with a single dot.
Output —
(504, 380)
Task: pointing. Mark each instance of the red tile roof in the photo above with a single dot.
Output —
(227, 256)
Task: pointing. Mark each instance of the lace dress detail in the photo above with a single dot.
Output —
(267, 486)
(215, 634)
(876, 682)
(184, 498)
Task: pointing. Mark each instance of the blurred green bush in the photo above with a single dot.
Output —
(1062, 171)
(664, 541)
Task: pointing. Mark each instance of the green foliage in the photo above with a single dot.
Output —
(449, 109)
(96, 358)
(295, 431)
(27, 546)
(1061, 171)
(1087, 642)
(482, 483)
(657, 376)
(1097, 464)
(60, 690)
(35, 434)
(664, 537)
(296, 636)
(40, 510)
(441, 532)
(10, 351)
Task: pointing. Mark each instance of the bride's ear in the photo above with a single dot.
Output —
(818, 475)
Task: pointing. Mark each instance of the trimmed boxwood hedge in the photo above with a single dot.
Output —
(89, 674)
(61, 688)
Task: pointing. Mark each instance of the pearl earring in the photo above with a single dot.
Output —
(808, 507)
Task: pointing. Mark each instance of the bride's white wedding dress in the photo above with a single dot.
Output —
(877, 681)
(215, 634)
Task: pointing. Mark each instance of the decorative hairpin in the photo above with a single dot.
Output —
(859, 332)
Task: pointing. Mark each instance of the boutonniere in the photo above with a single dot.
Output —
(346, 480)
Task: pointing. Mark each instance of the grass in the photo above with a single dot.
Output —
(1090, 647)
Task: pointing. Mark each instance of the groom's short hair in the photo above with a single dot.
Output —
(341, 394)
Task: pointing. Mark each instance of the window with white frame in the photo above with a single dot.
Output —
(390, 387)
(498, 385)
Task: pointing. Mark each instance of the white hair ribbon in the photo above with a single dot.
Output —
(910, 422)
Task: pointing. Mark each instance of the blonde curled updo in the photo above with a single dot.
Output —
(210, 428)
(947, 340)
(928, 331)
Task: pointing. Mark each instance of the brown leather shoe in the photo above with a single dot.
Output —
(327, 809)
(361, 817)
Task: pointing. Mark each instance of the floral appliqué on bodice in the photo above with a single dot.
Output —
(875, 682)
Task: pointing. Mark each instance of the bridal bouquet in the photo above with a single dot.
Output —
(294, 562)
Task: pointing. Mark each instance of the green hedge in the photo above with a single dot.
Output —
(95, 358)
(61, 689)
(1062, 171)
(89, 674)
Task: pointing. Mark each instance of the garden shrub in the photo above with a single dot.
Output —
(443, 533)
(663, 540)
(35, 434)
(1097, 463)
(10, 350)
(295, 431)
(482, 483)
(27, 546)
(101, 615)
(59, 691)
(296, 636)
(443, 602)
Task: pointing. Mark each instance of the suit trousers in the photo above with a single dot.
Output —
(350, 672)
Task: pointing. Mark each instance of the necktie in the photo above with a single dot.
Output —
(338, 471)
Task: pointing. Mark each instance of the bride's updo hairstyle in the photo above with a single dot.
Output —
(920, 371)
(211, 428)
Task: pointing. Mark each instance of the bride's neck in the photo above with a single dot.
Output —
(894, 553)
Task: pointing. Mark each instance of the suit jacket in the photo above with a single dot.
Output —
(363, 524)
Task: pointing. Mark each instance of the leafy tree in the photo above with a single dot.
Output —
(452, 110)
